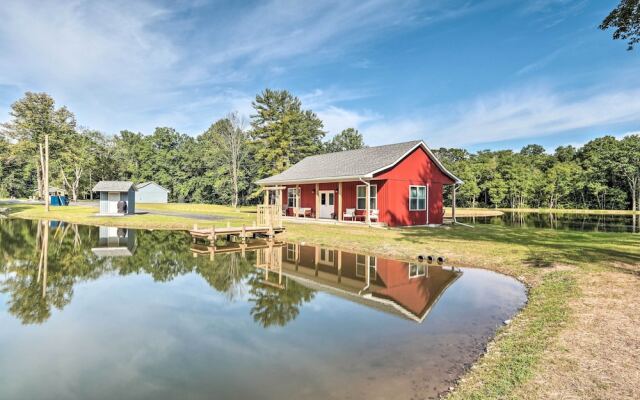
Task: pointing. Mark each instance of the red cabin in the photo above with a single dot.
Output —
(395, 185)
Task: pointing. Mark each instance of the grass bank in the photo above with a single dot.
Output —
(559, 267)
(472, 212)
(570, 211)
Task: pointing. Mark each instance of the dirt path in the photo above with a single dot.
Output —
(598, 355)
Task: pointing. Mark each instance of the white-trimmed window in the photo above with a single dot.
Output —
(361, 197)
(292, 197)
(416, 270)
(417, 198)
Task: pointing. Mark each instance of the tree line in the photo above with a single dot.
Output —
(602, 174)
(220, 165)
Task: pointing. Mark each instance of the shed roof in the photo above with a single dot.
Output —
(145, 184)
(113, 186)
(352, 164)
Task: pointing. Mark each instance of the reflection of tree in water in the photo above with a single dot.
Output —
(163, 255)
(39, 279)
(275, 306)
(227, 273)
(35, 288)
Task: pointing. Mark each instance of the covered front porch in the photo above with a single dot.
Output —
(326, 202)
(361, 202)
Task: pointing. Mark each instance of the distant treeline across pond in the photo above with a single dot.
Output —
(222, 164)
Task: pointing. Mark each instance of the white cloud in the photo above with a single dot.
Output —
(122, 64)
(509, 115)
(337, 119)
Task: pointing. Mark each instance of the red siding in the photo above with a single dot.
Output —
(393, 191)
(415, 169)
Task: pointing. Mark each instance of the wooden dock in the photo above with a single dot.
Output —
(242, 232)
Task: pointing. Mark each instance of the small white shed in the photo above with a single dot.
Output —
(151, 192)
(114, 192)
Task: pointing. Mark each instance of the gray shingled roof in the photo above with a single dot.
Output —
(112, 186)
(348, 164)
(145, 184)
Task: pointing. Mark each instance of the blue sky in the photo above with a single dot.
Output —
(473, 74)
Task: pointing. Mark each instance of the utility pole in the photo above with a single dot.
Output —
(46, 172)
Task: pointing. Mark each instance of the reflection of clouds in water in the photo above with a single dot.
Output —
(141, 337)
(125, 335)
(480, 288)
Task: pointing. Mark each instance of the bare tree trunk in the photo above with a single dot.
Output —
(41, 173)
(235, 148)
(633, 185)
(46, 173)
(73, 187)
(234, 167)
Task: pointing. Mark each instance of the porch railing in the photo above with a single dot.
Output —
(269, 215)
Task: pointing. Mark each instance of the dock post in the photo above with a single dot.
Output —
(243, 238)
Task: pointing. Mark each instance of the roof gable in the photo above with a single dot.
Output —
(113, 186)
(351, 164)
(146, 184)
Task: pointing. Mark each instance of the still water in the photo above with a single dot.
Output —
(107, 313)
(562, 221)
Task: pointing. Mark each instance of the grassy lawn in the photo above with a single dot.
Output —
(86, 214)
(559, 267)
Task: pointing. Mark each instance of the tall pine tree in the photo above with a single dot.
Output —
(284, 131)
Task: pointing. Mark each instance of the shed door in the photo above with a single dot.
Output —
(114, 198)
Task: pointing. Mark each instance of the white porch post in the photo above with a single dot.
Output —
(317, 211)
(298, 200)
(266, 196)
(368, 200)
(340, 201)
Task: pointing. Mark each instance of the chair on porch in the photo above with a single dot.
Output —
(373, 215)
(303, 212)
(349, 213)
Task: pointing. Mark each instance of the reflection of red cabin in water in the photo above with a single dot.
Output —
(405, 289)
(404, 180)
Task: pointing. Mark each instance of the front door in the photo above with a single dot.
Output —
(114, 198)
(327, 198)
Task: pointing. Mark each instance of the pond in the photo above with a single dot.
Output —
(562, 221)
(108, 313)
